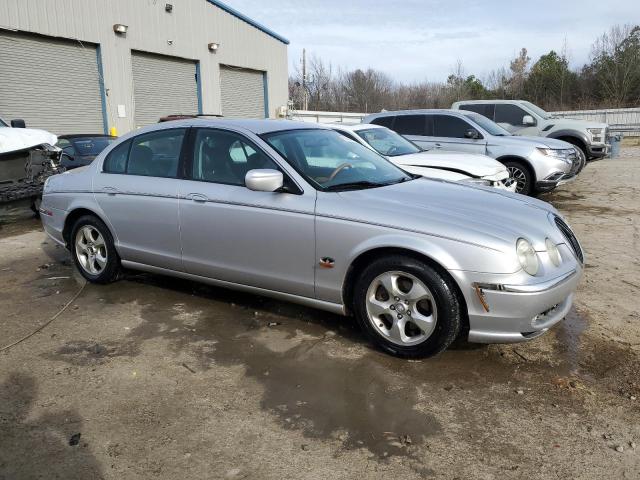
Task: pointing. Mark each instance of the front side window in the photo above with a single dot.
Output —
(330, 161)
(225, 157)
(509, 114)
(449, 126)
(387, 142)
(487, 125)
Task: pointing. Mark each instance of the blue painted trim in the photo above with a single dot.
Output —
(265, 84)
(244, 18)
(103, 93)
(199, 87)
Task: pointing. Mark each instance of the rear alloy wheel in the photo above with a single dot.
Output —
(406, 307)
(521, 175)
(93, 251)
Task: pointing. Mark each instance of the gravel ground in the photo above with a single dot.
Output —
(157, 378)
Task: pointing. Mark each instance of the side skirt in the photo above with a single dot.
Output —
(306, 301)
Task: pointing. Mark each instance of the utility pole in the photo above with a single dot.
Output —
(305, 101)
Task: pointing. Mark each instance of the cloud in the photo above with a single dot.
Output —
(414, 40)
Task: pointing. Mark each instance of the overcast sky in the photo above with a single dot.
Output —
(414, 40)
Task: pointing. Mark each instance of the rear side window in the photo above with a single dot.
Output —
(116, 161)
(384, 121)
(410, 125)
(509, 114)
(156, 154)
(485, 109)
(448, 126)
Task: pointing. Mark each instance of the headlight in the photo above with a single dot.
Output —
(553, 252)
(477, 181)
(527, 256)
(596, 134)
(560, 154)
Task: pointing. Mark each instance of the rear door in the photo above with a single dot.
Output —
(137, 188)
(449, 133)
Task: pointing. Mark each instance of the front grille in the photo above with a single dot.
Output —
(570, 237)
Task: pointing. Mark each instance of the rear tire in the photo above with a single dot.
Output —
(406, 307)
(93, 250)
(522, 175)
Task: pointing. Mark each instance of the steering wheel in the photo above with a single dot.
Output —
(337, 171)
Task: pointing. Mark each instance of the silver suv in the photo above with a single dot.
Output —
(524, 118)
(537, 165)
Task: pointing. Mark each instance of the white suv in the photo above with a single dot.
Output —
(524, 118)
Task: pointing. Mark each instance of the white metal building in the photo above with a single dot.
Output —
(86, 66)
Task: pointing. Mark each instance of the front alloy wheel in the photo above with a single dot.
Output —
(401, 308)
(520, 174)
(406, 306)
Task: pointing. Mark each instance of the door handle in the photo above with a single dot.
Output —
(110, 190)
(197, 197)
(438, 145)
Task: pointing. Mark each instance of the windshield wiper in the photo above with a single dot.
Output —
(354, 185)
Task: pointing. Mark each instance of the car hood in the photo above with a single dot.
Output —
(575, 123)
(467, 163)
(535, 142)
(13, 139)
(481, 216)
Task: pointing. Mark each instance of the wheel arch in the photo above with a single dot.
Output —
(366, 257)
(73, 216)
(514, 158)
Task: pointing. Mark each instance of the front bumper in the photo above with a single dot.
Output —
(598, 150)
(516, 313)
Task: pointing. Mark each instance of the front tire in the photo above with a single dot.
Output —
(93, 250)
(522, 175)
(406, 307)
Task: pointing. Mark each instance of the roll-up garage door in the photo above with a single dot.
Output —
(242, 92)
(51, 83)
(162, 86)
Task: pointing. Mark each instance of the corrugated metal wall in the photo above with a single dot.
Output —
(162, 86)
(51, 84)
(185, 33)
(242, 93)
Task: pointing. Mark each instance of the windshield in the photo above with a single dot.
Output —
(538, 111)
(491, 127)
(90, 145)
(387, 142)
(330, 161)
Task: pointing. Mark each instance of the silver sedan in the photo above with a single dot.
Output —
(301, 213)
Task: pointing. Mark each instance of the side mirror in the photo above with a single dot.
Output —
(528, 121)
(264, 180)
(472, 133)
(18, 123)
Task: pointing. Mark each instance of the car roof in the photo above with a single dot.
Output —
(462, 102)
(84, 135)
(447, 111)
(353, 127)
(256, 126)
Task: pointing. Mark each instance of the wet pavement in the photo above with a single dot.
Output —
(164, 378)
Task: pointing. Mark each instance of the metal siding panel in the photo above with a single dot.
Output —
(52, 84)
(242, 92)
(162, 86)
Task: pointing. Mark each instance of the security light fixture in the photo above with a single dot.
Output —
(213, 47)
(120, 28)
(168, 8)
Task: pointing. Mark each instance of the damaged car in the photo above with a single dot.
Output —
(27, 158)
(298, 212)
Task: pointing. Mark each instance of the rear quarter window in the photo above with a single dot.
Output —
(116, 161)
(484, 109)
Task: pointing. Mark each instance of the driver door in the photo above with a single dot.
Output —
(231, 233)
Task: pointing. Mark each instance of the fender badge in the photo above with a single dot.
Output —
(327, 262)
